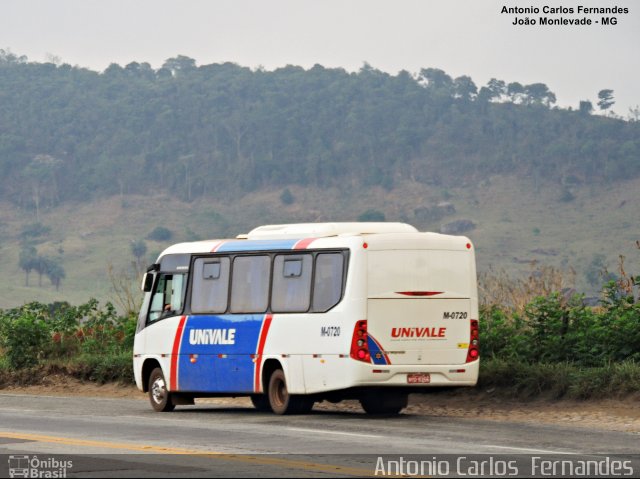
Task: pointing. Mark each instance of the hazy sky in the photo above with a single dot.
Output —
(462, 37)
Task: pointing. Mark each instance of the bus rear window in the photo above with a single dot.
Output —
(327, 286)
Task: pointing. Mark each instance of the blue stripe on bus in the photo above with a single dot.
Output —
(257, 245)
(210, 373)
(377, 356)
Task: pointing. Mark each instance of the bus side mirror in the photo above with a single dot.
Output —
(147, 282)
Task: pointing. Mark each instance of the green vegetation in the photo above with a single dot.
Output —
(101, 159)
(555, 344)
(29, 260)
(34, 232)
(87, 341)
(552, 345)
(287, 197)
(160, 233)
(554, 329)
(371, 215)
(560, 380)
(221, 130)
(139, 250)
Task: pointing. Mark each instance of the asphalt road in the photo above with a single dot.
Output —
(123, 437)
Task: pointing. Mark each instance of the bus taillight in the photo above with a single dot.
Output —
(474, 344)
(359, 346)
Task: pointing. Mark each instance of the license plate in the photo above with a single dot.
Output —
(418, 378)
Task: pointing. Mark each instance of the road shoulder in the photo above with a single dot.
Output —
(606, 414)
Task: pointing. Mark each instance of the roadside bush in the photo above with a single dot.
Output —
(37, 332)
(554, 329)
(556, 380)
(503, 335)
(23, 335)
(103, 368)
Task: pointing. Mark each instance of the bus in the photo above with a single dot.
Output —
(291, 315)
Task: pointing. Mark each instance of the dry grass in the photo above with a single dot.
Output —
(499, 288)
(517, 224)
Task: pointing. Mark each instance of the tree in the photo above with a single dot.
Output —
(515, 91)
(139, 249)
(464, 88)
(10, 58)
(42, 266)
(495, 89)
(440, 88)
(605, 99)
(222, 130)
(436, 79)
(55, 273)
(40, 173)
(586, 107)
(160, 233)
(28, 261)
(539, 94)
(286, 197)
(187, 161)
(113, 70)
(179, 64)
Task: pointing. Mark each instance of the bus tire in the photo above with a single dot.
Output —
(261, 402)
(384, 403)
(281, 401)
(159, 396)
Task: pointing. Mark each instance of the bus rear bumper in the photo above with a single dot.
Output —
(418, 376)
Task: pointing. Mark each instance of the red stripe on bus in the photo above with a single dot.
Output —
(303, 243)
(217, 247)
(261, 342)
(419, 293)
(173, 378)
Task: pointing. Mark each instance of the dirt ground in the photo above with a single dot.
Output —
(609, 414)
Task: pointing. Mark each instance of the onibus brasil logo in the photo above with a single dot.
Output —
(32, 466)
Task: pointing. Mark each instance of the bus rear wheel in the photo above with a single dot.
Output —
(384, 403)
(159, 396)
(281, 401)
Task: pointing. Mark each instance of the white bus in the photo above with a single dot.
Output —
(295, 314)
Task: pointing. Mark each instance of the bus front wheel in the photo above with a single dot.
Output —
(159, 396)
(261, 402)
(281, 401)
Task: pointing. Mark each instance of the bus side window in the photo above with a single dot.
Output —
(250, 284)
(168, 296)
(291, 283)
(210, 285)
(327, 286)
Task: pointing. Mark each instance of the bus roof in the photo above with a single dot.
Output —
(323, 230)
(300, 236)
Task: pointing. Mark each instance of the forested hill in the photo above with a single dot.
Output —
(68, 133)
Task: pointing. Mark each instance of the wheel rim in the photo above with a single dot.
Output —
(158, 390)
(280, 393)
